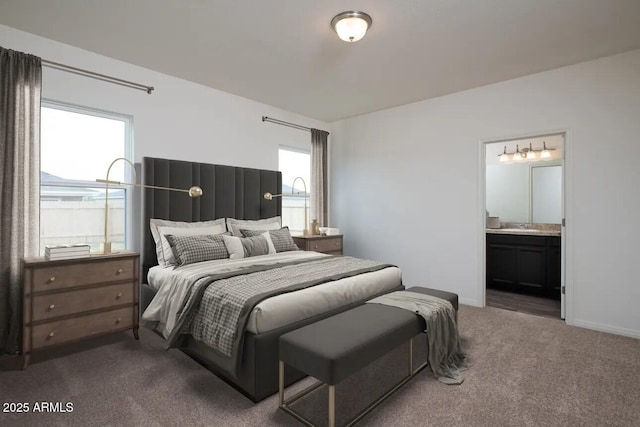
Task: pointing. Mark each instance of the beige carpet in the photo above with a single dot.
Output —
(527, 371)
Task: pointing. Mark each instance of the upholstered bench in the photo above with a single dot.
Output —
(336, 347)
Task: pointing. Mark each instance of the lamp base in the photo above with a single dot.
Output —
(105, 248)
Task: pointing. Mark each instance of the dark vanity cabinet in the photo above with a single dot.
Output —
(525, 264)
(553, 266)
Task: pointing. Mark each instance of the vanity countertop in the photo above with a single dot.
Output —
(523, 231)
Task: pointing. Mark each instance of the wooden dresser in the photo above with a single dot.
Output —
(68, 300)
(325, 244)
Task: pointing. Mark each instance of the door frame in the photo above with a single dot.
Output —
(566, 241)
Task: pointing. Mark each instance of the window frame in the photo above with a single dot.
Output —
(128, 154)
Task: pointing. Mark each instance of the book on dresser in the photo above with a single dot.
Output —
(80, 250)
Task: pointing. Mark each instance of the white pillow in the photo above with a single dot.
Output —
(163, 249)
(234, 225)
(236, 248)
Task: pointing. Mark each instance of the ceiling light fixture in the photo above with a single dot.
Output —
(531, 154)
(351, 26)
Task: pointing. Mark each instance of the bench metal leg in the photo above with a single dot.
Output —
(281, 383)
(410, 357)
(331, 410)
(332, 406)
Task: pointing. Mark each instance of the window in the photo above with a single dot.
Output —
(294, 163)
(77, 146)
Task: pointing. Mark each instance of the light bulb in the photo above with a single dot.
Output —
(504, 157)
(545, 152)
(531, 155)
(517, 156)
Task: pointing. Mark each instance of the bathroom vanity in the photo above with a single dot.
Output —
(524, 261)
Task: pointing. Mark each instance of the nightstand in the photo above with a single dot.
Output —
(325, 244)
(68, 300)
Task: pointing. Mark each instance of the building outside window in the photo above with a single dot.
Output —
(293, 163)
(77, 146)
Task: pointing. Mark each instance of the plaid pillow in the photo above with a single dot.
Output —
(192, 249)
(281, 239)
(244, 247)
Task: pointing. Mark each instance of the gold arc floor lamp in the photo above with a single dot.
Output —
(105, 246)
(269, 196)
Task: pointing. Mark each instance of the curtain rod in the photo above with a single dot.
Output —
(283, 123)
(97, 76)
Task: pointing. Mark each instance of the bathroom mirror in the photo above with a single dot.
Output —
(525, 191)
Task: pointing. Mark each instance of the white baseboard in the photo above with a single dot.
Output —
(469, 301)
(606, 328)
(631, 333)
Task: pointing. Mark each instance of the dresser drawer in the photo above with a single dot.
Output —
(83, 273)
(325, 245)
(64, 303)
(60, 331)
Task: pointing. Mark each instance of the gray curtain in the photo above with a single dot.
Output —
(20, 85)
(319, 202)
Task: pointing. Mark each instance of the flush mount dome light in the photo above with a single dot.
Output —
(351, 26)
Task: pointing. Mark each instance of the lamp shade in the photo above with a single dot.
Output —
(504, 157)
(351, 26)
(518, 154)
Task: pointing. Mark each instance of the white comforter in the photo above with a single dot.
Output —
(172, 285)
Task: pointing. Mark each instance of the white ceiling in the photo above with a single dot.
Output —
(284, 53)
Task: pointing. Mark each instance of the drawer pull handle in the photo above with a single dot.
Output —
(316, 247)
(119, 295)
(119, 271)
(52, 306)
(52, 279)
(119, 320)
(51, 334)
(337, 243)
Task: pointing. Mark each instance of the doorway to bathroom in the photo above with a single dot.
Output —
(524, 216)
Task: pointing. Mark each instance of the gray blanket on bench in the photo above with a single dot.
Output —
(446, 358)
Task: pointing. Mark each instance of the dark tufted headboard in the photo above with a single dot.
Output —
(228, 191)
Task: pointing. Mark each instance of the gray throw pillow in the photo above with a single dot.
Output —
(254, 246)
(192, 249)
(282, 240)
(244, 247)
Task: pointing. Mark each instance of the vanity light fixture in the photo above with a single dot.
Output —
(517, 155)
(504, 157)
(351, 26)
(545, 151)
(527, 153)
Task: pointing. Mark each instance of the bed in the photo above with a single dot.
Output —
(233, 192)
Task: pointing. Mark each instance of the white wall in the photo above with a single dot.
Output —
(406, 183)
(180, 120)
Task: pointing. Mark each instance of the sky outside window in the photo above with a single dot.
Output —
(79, 146)
(293, 164)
